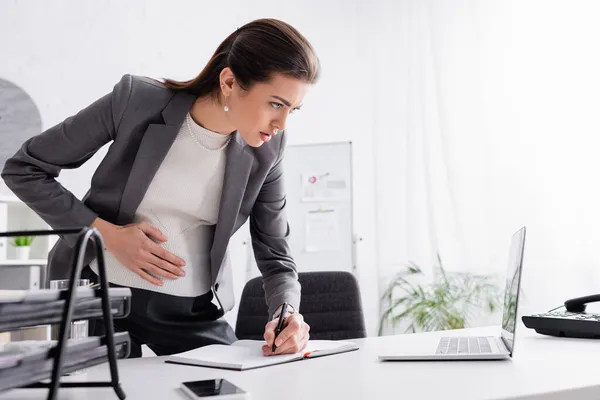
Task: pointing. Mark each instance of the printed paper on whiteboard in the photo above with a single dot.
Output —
(322, 231)
(323, 187)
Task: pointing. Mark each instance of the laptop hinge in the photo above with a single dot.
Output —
(502, 345)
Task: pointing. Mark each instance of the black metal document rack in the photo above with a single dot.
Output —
(70, 306)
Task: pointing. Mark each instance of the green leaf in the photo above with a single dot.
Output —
(413, 268)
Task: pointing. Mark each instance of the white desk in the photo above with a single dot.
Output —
(543, 368)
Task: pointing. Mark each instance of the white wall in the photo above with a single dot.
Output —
(65, 54)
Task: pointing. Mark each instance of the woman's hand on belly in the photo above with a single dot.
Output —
(133, 246)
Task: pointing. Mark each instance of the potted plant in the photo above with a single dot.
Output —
(22, 245)
(449, 302)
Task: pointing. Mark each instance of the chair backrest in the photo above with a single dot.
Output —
(330, 304)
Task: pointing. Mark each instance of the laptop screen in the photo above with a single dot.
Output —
(511, 293)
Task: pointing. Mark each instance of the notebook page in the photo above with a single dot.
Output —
(236, 356)
(324, 347)
(319, 347)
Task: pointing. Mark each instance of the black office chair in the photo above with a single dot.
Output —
(330, 304)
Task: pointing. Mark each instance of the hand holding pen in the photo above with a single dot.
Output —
(286, 334)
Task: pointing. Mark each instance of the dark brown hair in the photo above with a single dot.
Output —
(254, 53)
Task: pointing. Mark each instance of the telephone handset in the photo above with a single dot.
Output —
(578, 304)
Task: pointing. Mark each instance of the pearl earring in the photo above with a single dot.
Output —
(226, 108)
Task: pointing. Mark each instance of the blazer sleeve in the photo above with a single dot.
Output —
(269, 230)
(31, 173)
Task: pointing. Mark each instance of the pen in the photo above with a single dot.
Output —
(279, 325)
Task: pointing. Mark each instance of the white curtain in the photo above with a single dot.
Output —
(486, 120)
(433, 156)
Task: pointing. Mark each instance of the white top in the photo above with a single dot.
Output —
(542, 368)
(182, 201)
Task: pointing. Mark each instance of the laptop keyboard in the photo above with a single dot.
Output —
(464, 345)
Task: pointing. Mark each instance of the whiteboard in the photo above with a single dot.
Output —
(318, 182)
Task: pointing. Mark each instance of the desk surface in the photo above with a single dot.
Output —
(542, 368)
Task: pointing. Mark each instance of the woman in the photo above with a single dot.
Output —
(189, 163)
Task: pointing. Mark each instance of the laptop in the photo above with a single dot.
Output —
(474, 347)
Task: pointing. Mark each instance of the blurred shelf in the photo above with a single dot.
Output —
(10, 199)
(19, 309)
(24, 262)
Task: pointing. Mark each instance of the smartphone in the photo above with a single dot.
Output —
(218, 389)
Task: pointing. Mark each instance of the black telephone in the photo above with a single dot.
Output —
(573, 321)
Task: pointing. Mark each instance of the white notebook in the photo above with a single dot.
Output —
(247, 354)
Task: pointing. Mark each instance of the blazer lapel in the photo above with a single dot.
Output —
(237, 171)
(154, 146)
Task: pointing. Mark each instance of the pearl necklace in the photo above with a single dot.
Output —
(193, 134)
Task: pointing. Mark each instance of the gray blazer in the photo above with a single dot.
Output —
(142, 118)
